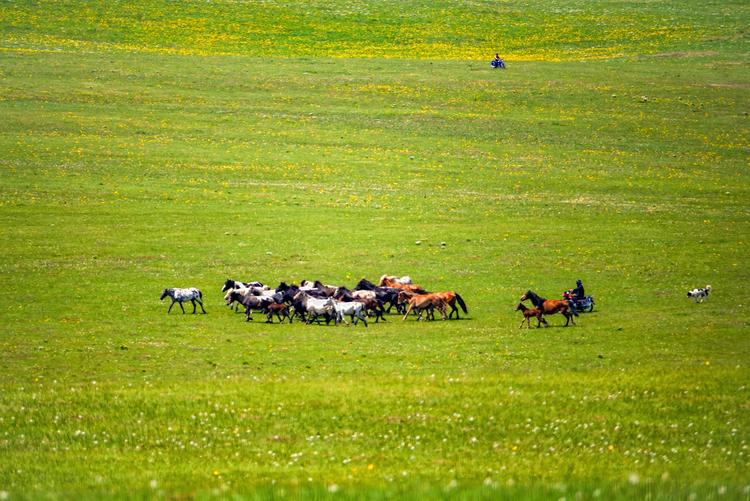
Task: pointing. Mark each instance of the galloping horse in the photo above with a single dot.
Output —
(317, 307)
(528, 313)
(550, 307)
(452, 298)
(387, 282)
(421, 302)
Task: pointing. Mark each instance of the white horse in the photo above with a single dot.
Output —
(364, 295)
(402, 281)
(317, 307)
(182, 296)
(354, 309)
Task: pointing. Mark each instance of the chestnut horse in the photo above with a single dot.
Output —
(528, 313)
(550, 307)
(421, 302)
(452, 298)
(387, 282)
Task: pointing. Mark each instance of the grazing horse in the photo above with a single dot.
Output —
(249, 302)
(551, 307)
(182, 296)
(452, 298)
(421, 302)
(528, 313)
(387, 282)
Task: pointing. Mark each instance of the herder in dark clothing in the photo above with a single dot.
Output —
(578, 291)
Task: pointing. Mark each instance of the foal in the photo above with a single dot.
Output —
(528, 313)
(280, 310)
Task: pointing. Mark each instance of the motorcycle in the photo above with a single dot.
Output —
(585, 304)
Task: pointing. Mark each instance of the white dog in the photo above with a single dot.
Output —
(699, 293)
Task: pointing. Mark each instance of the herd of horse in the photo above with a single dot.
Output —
(315, 301)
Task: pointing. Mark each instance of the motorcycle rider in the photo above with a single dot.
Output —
(578, 291)
(576, 295)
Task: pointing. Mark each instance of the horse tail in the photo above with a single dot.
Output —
(200, 294)
(461, 303)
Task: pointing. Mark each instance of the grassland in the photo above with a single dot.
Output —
(178, 144)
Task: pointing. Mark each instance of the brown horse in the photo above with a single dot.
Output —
(422, 302)
(550, 307)
(528, 313)
(452, 298)
(387, 282)
(280, 310)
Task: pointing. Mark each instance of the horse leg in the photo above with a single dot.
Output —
(453, 309)
(201, 303)
(362, 316)
(407, 312)
(170, 306)
(193, 301)
(522, 321)
(183, 309)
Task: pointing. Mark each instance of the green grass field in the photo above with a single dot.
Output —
(149, 145)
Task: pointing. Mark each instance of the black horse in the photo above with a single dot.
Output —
(249, 302)
(233, 284)
(388, 295)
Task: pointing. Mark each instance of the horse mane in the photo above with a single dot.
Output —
(366, 285)
(536, 299)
